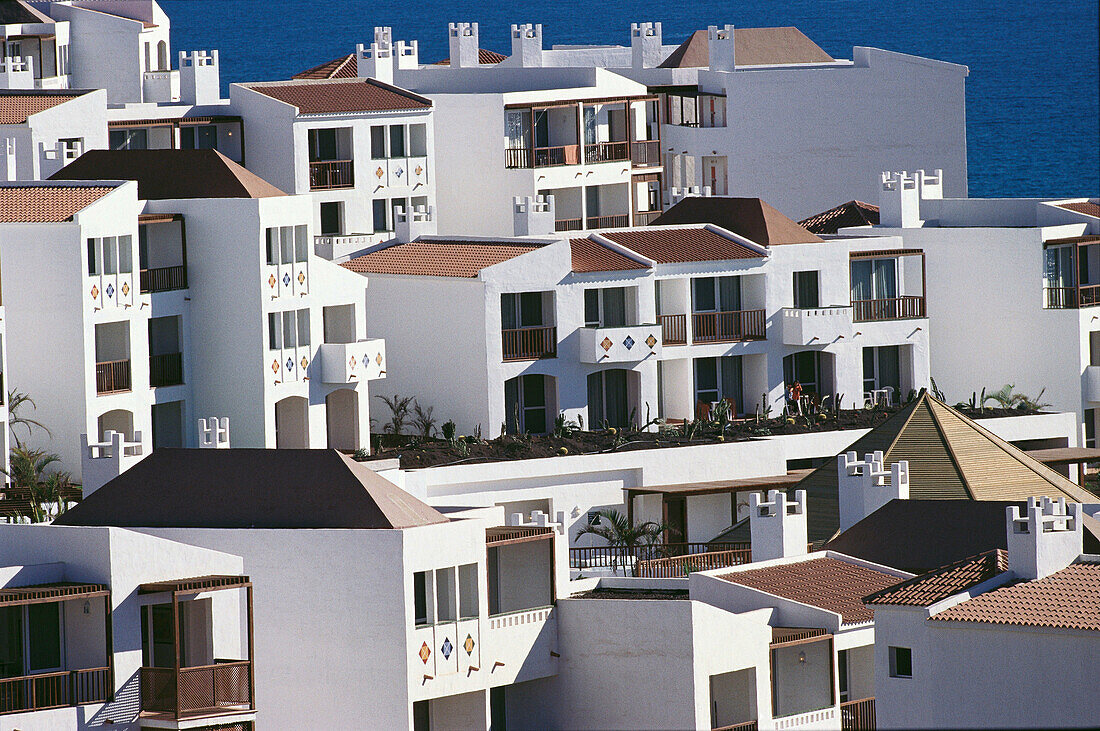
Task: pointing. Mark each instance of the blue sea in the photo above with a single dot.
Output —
(1033, 124)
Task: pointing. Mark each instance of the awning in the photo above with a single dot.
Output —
(196, 584)
(745, 484)
(42, 593)
(507, 535)
(1065, 455)
(159, 217)
(797, 635)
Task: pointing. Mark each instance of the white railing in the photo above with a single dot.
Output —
(523, 616)
(338, 246)
(826, 718)
(620, 344)
(16, 72)
(815, 326)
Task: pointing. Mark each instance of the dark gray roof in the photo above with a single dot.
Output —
(250, 488)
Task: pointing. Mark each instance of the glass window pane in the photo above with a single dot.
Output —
(110, 255)
(614, 307)
(290, 331)
(703, 294)
(301, 244)
(418, 140)
(125, 254)
(378, 142)
(397, 140)
(303, 327)
(467, 591)
(286, 241)
(592, 307)
(729, 289)
(93, 256)
(273, 246)
(446, 609)
(534, 391)
(11, 642)
(44, 636)
(861, 280)
(508, 319)
(530, 309)
(379, 206)
(274, 330)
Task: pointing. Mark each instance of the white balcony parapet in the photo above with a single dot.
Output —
(1092, 384)
(101, 462)
(16, 72)
(161, 86)
(826, 718)
(363, 360)
(339, 247)
(620, 344)
(816, 326)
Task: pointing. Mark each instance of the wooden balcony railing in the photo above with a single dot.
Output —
(163, 279)
(673, 329)
(728, 327)
(197, 691)
(644, 218)
(746, 726)
(569, 224)
(645, 154)
(890, 308)
(605, 152)
(55, 690)
(1069, 298)
(858, 715)
(617, 221)
(331, 174)
(166, 369)
(676, 567)
(627, 558)
(530, 343)
(542, 157)
(112, 376)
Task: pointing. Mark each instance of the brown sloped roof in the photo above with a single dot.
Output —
(592, 256)
(18, 11)
(679, 245)
(1086, 207)
(947, 581)
(484, 57)
(169, 174)
(825, 582)
(342, 95)
(18, 104)
(338, 68)
(1067, 599)
(752, 47)
(852, 213)
(37, 203)
(439, 257)
(752, 218)
(250, 488)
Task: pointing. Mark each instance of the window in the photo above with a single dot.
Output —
(525, 399)
(128, 139)
(842, 674)
(608, 398)
(125, 254)
(446, 609)
(322, 145)
(203, 137)
(331, 216)
(301, 244)
(272, 246)
(380, 217)
(805, 290)
(882, 368)
(717, 379)
(397, 140)
(1090, 427)
(72, 147)
(303, 327)
(422, 598)
(286, 244)
(148, 58)
(605, 307)
(901, 662)
(275, 330)
(378, 143)
(467, 588)
(93, 258)
(418, 140)
(110, 258)
(290, 330)
(44, 637)
(522, 309)
(874, 279)
(716, 294)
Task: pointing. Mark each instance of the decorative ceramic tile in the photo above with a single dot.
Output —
(468, 645)
(125, 288)
(425, 653)
(289, 363)
(419, 170)
(399, 172)
(301, 277)
(378, 359)
(651, 341)
(95, 292)
(286, 279)
(606, 344)
(110, 291)
(379, 173)
(629, 342)
(275, 367)
(305, 362)
(351, 362)
(272, 281)
(446, 648)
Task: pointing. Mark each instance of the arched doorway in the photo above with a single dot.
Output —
(342, 419)
(118, 420)
(162, 56)
(292, 423)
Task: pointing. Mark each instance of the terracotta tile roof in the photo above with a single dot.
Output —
(752, 218)
(752, 47)
(338, 68)
(825, 582)
(852, 213)
(934, 586)
(46, 203)
(679, 245)
(439, 257)
(1067, 599)
(485, 57)
(1086, 207)
(170, 174)
(17, 105)
(338, 95)
(591, 256)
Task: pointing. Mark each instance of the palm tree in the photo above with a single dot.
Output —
(27, 471)
(621, 534)
(16, 401)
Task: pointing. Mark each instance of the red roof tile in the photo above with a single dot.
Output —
(679, 245)
(46, 203)
(852, 213)
(438, 257)
(1089, 209)
(825, 582)
(338, 68)
(1067, 599)
(485, 57)
(16, 106)
(927, 589)
(327, 97)
(592, 256)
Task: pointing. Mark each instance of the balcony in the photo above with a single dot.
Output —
(163, 279)
(890, 308)
(645, 154)
(112, 376)
(858, 715)
(644, 218)
(331, 175)
(619, 220)
(161, 86)
(818, 326)
(363, 360)
(606, 152)
(166, 369)
(619, 344)
(334, 246)
(209, 690)
(43, 691)
(542, 157)
(673, 329)
(727, 327)
(569, 224)
(530, 343)
(1071, 298)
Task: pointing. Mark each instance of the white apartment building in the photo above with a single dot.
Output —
(360, 149)
(43, 130)
(959, 647)
(1039, 261)
(34, 48)
(628, 325)
(760, 112)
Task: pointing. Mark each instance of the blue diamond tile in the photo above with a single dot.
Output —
(447, 648)
(286, 280)
(110, 290)
(629, 342)
(399, 172)
(289, 363)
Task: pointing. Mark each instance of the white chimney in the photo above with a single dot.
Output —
(899, 201)
(411, 226)
(200, 77)
(533, 215)
(645, 45)
(214, 433)
(1045, 540)
(101, 462)
(777, 527)
(864, 486)
(463, 42)
(527, 45)
(375, 62)
(720, 48)
(675, 195)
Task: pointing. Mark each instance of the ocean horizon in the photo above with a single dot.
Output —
(1033, 116)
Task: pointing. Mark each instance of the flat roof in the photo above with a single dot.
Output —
(1065, 455)
(743, 484)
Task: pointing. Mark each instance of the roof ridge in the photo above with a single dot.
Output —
(951, 452)
(1000, 555)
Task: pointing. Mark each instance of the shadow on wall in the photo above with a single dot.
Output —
(123, 709)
